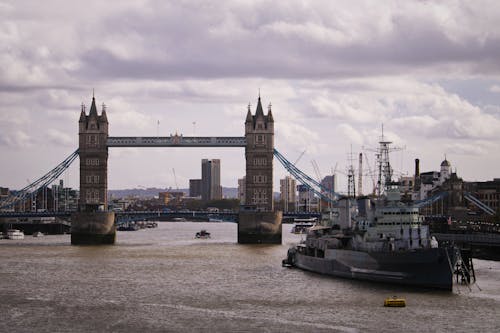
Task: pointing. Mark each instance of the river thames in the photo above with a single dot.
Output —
(165, 280)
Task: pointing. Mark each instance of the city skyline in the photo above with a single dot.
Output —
(334, 73)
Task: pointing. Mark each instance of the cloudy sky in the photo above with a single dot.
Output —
(334, 71)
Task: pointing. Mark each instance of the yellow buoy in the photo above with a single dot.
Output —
(395, 301)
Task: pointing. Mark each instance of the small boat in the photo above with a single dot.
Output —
(395, 301)
(15, 234)
(131, 226)
(301, 227)
(38, 234)
(202, 234)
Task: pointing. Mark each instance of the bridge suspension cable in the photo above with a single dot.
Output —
(487, 209)
(318, 189)
(40, 183)
(430, 200)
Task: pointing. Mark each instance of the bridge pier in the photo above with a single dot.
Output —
(259, 227)
(93, 228)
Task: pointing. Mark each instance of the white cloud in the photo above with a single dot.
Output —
(56, 137)
(495, 88)
(15, 139)
(353, 135)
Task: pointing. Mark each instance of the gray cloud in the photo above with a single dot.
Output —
(333, 70)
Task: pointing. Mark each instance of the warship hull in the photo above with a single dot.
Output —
(429, 268)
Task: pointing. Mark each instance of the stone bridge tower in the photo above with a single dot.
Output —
(92, 224)
(258, 223)
(93, 151)
(259, 152)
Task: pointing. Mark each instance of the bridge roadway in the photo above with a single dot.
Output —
(472, 239)
(177, 141)
(153, 213)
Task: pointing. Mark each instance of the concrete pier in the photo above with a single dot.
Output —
(93, 228)
(256, 227)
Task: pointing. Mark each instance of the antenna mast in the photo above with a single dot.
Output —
(351, 183)
(360, 175)
(384, 166)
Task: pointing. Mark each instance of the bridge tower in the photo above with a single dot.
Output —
(258, 223)
(93, 151)
(92, 224)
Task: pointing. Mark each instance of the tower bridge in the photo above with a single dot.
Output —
(258, 222)
(94, 224)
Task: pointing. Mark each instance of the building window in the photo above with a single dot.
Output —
(259, 179)
(260, 161)
(92, 162)
(259, 139)
(92, 179)
(259, 196)
(92, 140)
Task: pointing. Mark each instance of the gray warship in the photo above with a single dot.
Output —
(377, 239)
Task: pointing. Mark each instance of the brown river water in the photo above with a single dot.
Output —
(165, 280)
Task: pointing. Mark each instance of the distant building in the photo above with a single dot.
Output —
(210, 180)
(4, 192)
(430, 180)
(488, 192)
(242, 189)
(329, 183)
(195, 186)
(288, 195)
(64, 198)
(167, 198)
(306, 202)
(164, 197)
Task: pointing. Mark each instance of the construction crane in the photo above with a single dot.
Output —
(334, 173)
(298, 158)
(316, 170)
(175, 179)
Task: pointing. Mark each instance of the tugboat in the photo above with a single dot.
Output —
(202, 234)
(378, 239)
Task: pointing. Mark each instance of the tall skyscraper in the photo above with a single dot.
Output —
(306, 201)
(195, 188)
(288, 193)
(210, 179)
